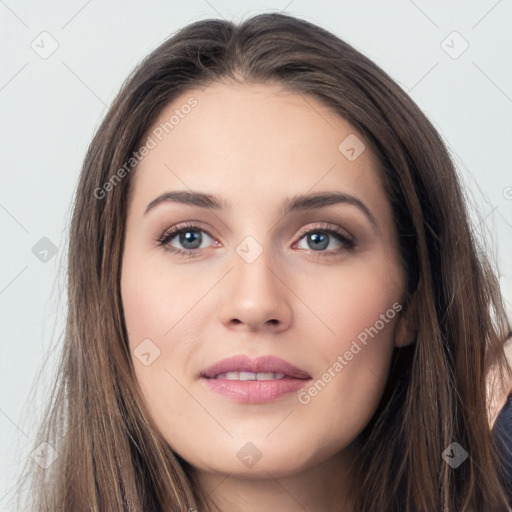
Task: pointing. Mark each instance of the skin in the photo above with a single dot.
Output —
(499, 388)
(255, 146)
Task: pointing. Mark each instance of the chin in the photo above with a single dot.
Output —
(256, 459)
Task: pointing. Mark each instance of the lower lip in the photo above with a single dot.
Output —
(255, 391)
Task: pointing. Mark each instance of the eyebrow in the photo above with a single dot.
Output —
(297, 203)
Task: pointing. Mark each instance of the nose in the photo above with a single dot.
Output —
(257, 298)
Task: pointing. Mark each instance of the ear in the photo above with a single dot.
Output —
(406, 329)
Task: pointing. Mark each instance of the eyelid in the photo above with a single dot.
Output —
(169, 233)
(329, 229)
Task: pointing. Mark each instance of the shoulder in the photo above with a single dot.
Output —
(503, 422)
(502, 432)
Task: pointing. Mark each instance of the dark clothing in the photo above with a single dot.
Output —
(502, 431)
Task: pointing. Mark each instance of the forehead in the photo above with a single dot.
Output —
(255, 143)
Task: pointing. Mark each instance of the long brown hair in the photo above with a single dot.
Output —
(111, 456)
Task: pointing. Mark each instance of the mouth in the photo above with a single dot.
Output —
(252, 381)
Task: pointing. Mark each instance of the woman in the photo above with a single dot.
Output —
(276, 301)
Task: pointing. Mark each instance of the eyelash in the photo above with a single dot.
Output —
(348, 241)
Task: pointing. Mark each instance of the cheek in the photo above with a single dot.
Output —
(156, 300)
(344, 303)
(163, 316)
(359, 311)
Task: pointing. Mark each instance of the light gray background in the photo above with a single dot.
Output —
(51, 107)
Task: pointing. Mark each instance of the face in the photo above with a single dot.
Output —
(259, 233)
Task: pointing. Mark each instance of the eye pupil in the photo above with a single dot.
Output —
(322, 238)
(191, 237)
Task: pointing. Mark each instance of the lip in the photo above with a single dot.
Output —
(263, 364)
(254, 391)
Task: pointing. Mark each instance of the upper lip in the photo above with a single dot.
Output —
(263, 364)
